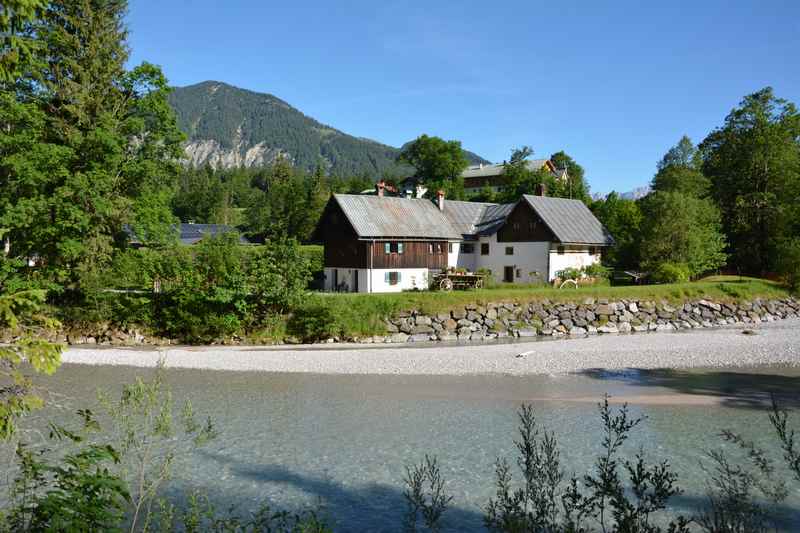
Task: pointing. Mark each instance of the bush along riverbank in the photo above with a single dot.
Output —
(474, 322)
(482, 322)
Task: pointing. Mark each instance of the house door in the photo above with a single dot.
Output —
(355, 280)
(508, 274)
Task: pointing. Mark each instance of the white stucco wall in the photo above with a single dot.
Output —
(458, 259)
(573, 257)
(410, 278)
(529, 258)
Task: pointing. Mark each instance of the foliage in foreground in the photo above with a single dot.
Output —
(20, 312)
(618, 494)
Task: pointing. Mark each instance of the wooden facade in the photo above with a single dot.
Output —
(343, 249)
(524, 225)
(416, 254)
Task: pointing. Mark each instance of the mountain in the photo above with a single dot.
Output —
(232, 127)
(634, 194)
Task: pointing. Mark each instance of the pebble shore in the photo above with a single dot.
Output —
(773, 343)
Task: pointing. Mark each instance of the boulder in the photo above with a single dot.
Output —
(423, 320)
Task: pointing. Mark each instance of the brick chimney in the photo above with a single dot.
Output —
(380, 187)
(541, 189)
(440, 199)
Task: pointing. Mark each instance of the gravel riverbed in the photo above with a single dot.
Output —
(770, 343)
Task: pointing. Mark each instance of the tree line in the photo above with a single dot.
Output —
(731, 202)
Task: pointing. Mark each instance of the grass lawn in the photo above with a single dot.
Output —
(719, 288)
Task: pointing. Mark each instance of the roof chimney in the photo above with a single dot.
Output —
(541, 189)
(379, 188)
(440, 199)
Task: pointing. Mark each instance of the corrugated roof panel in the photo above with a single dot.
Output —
(570, 220)
(387, 216)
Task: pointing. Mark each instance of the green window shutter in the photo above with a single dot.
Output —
(387, 248)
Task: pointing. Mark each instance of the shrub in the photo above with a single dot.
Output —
(569, 273)
(542, 503)
(670, 273)
(208, 297)
(278, 277)
(314, 322)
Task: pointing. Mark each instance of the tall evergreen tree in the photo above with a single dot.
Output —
(98, 139)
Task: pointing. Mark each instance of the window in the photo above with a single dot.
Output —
(449, 247)
(592, 250)
(387, 248)
(399, 247)
(439, 248)
(532, 225)
(516, 226)
(484, 248)
(519, 273)
(392, 278)
(430, 248)
(509, 250)
(393, 247)
(560, 250)
(467, 248)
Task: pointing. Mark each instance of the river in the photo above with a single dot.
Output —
(340, 443)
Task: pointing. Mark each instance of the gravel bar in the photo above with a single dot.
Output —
(771, 343)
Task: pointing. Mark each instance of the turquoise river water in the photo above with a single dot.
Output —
(340, 443)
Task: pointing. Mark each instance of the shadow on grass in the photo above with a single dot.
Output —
(748, 390)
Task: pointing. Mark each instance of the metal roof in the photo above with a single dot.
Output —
(485, 171)
(189, 233)
(570, 220)
(389, 216)
(465, 216)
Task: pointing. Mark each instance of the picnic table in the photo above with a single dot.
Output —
(454, 280)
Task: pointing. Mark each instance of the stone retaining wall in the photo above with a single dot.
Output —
(497, 320)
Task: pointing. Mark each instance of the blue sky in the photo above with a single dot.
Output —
(613, 84)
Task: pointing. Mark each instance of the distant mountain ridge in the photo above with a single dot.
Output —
(231, 127)
(634, 194)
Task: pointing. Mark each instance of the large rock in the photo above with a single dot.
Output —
(423, 320)
(604, 310)
(398, 337)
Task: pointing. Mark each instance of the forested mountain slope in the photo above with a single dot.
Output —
(232, 127)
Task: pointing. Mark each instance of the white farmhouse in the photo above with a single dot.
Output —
(377, 243)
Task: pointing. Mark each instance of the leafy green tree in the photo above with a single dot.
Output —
(575, 185)
(20, 313)
(623, 219)
(207, 298)
(521, 179)
(753, 162)
(679, 171)
(279, 275)
(438, 163)
(681, 229)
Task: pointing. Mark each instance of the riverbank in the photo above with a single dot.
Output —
(765, 344)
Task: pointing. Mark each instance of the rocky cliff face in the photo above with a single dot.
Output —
(211, 152)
